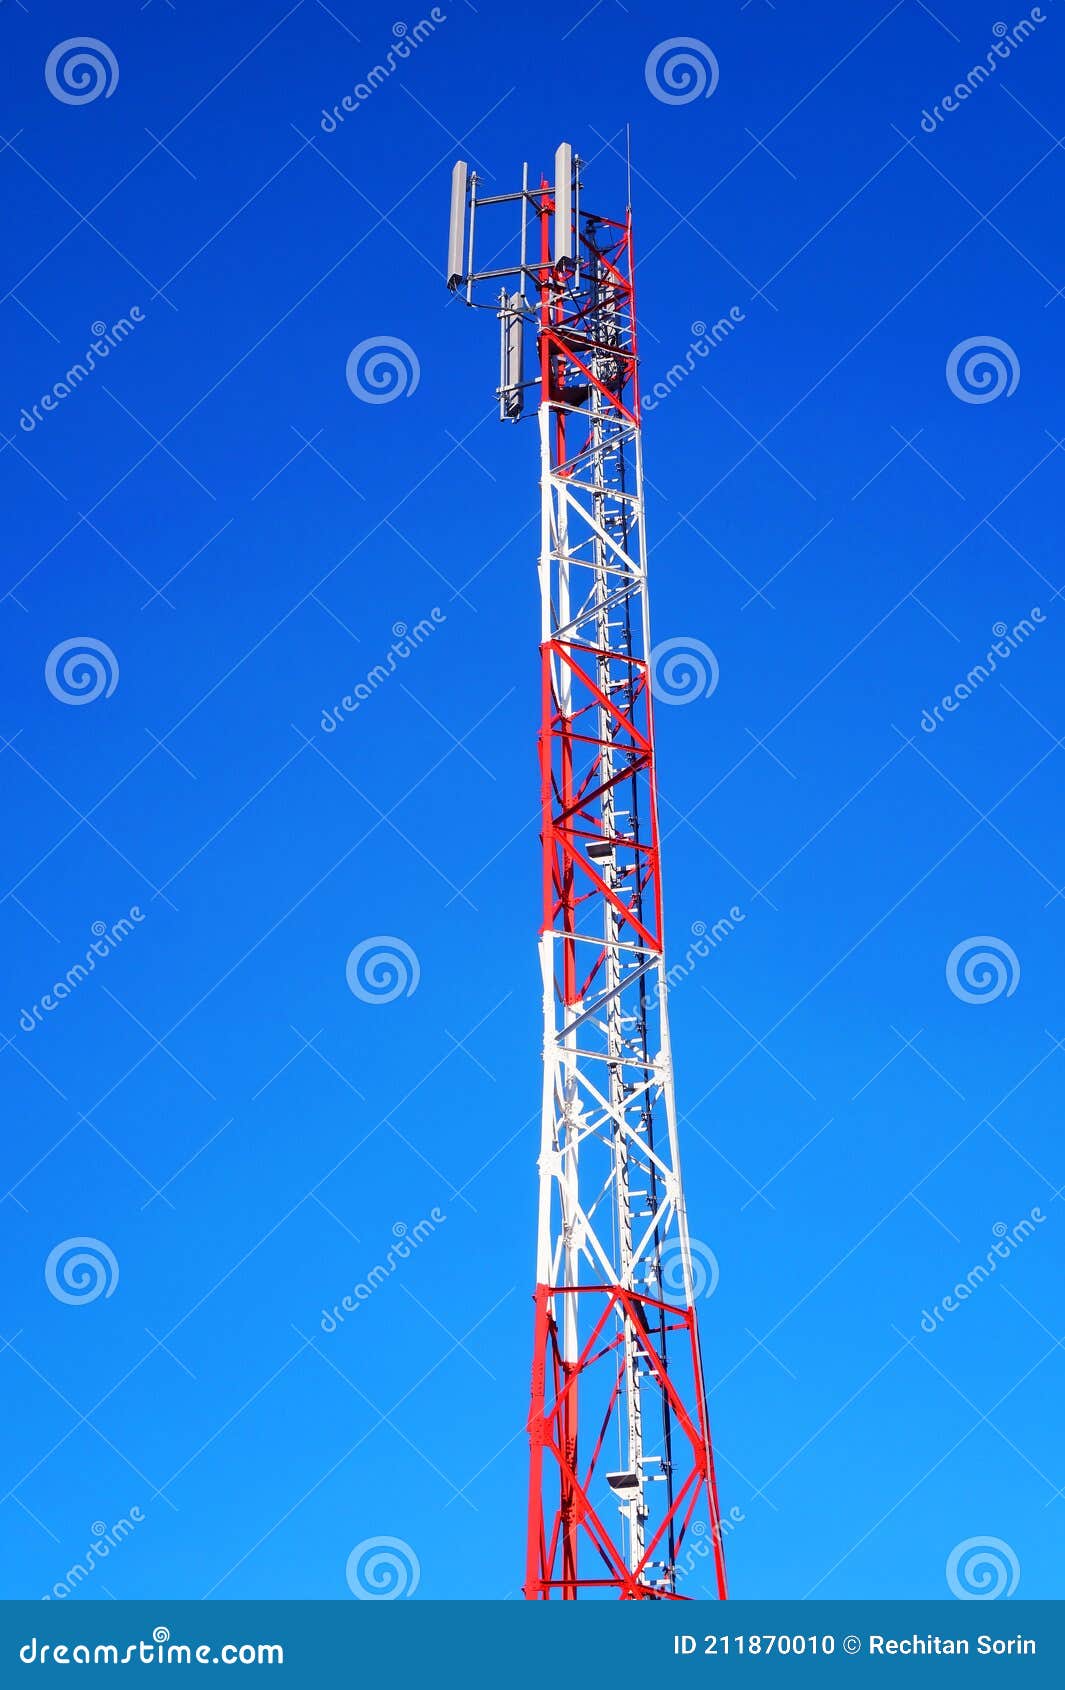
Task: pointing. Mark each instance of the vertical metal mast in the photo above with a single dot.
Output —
(621, 1468)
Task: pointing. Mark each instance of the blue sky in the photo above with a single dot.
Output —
(840, 522)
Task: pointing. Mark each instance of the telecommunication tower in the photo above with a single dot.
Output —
(621, 1483)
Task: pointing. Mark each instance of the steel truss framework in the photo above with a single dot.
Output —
(621, 1474)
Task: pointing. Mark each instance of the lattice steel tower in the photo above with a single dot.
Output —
(622, 1475)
